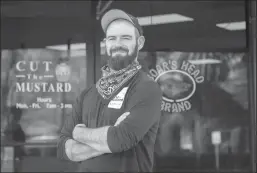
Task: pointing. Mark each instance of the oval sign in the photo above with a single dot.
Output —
(176, 85)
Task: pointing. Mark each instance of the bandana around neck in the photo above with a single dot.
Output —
(111, 81)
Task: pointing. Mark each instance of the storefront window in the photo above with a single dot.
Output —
(40, 86)
(204, 94)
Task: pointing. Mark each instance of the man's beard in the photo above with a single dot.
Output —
(119, 62)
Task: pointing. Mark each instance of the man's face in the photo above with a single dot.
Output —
(121, 44)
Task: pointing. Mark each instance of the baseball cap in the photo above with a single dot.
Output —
(116, 14)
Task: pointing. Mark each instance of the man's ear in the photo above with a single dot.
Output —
(104, 41)
(140, 42)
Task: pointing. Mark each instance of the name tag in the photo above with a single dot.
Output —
(117, 101)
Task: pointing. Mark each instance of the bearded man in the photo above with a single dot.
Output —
(114, 123)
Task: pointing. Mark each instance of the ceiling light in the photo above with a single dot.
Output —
(205, 61)
(233, 26)
(58, 47)
(163, 19)
(73, 46)
(78, 46)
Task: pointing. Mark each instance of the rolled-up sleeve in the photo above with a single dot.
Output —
(70, 122)
(145, 110)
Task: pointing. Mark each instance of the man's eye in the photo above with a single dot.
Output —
(110, 39)
(126, 38)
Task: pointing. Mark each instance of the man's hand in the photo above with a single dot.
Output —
(97, 137)
(77, 131)
(76, 151)
(121, 118)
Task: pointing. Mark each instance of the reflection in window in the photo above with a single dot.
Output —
(202, 93)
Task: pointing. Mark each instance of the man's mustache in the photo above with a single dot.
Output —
(119, 49)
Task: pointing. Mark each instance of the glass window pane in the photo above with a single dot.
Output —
(203, 92)
(43, 83)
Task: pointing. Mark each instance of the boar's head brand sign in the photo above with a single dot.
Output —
(178, 84)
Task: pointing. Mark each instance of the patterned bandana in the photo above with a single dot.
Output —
(111, 81)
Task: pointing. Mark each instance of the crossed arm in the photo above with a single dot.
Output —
(80, 149)
(78, 143)
(77, 151)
